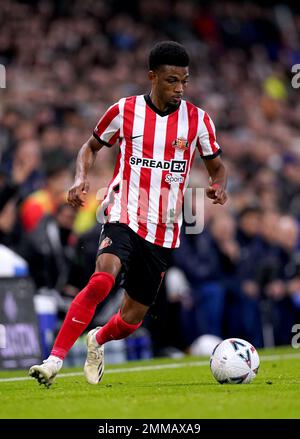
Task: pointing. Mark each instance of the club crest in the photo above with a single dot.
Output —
(180, 143)
(105, 243)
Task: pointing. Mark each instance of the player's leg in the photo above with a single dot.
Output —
(126, 321)
(115, 248)
(83, 307)
(142, 282)
(78, 317)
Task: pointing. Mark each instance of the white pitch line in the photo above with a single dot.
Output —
(157, 367)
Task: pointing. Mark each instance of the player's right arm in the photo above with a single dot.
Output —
(105, 133)
(85, 159)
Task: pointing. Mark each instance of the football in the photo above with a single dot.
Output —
(234, 361)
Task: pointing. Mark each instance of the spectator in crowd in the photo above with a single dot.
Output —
(283, 293)
(49, 249)
(243, 300)
(11, 194)
(26, 167)
(215, 254)
(46, 200)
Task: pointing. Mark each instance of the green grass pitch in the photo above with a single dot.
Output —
(161, 388)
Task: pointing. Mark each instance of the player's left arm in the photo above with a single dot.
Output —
(218, 178)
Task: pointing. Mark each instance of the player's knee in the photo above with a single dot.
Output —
(108, 263)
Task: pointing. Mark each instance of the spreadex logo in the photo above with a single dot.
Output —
(173, 166)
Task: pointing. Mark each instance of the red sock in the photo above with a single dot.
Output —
(81, 312)
(115, 329)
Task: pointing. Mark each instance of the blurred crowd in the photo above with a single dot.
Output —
(67, 61)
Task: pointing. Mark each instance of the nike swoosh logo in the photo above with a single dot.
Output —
(77, 321)
(135, 137)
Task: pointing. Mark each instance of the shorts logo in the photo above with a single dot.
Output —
(181, 144)
(174, 166)
(105, 243)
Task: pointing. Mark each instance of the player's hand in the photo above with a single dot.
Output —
(78, 192)
(216, 193)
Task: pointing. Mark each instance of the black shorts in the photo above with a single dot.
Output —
(143, 263)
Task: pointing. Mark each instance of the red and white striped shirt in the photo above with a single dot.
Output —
(153, 164)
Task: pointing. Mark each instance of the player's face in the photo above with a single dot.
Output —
(169, 83)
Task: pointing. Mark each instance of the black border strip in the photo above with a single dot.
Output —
(212, 156)
(102, 142)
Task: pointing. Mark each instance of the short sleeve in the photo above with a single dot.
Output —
(207, 143)
(107, 129)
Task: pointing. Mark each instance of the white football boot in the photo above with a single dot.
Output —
(45, 373)
(94, 364)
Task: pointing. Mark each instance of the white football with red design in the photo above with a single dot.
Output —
(234, 361)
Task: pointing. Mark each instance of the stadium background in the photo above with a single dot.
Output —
(66, 62)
